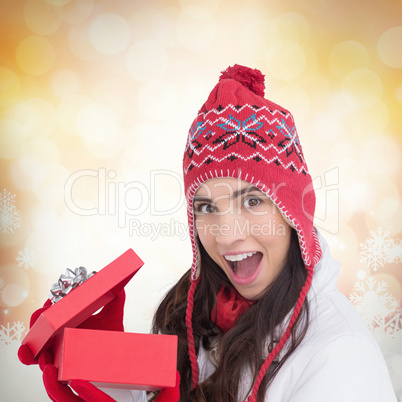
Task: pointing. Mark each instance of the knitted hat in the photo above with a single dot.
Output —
(240, 134)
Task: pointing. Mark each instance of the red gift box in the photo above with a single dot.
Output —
(117, 359)
(83, 301)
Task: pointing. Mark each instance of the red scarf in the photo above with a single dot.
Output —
(231, 305)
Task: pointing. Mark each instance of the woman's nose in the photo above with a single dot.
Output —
(232, 228)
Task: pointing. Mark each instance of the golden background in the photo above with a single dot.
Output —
(96, 98)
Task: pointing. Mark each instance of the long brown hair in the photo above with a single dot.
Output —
(245, 344)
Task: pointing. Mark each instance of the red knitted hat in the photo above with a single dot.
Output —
(240, 134)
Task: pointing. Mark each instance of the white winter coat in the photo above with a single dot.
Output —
(337, 361)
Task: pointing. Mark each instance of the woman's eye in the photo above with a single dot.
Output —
(251, 202)
(204, 209)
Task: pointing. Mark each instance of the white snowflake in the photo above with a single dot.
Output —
(376, 249)
(395, 251)
(26, 258)
(377, 307)
(9, 215)
(12, 333)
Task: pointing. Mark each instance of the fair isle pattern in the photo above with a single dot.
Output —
(216, 136)
(307, 258)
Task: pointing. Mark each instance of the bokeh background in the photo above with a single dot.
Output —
(96, 98)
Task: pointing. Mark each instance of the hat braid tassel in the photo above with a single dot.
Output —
(284, 338)
(190, 335)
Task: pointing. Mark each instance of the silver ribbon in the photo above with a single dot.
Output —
(67, 282)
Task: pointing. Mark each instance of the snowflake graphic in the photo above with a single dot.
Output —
(378, 308)
(12, 333)
(26, 258)
(9, 215)
(376, 249)
(395, 251)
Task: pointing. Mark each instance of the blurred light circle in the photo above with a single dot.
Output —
(327, 126)
(65, 83)
(75, 11)
(49, 187)
(36, 116)
(94, 120)
(364, 122)
(389, 47)
(80, 44)
(157, 99)
(38, 158)
(381, 155)
(18, 177)
(210, 5)
(354, 187)
(19, 233)
(377, 215)
(348, 56)
(162, 25)
(310, 72)
(293, 98)
(13, 295)
(196, 33)
(398, 93)
(361, 274)
(9, 86)
(393, 221)
(393, 285)
(109, 33)
(347, 241)
(112, 100)
(257, 33)
(146, 59)
(71, 240)
(12, 139)
(138, 152)
(255, 37)
(68, 111)
(194, 88)
(57, 3)
(41, 17)
(35, 55)
(100, 131)
(362, 88)
(286, 60)
(343, 248)
(386, 202)
(15, 285)
(290, 26)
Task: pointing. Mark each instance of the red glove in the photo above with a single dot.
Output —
(170, 394)
(109, 318)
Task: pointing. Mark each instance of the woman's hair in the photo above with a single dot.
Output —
(245, 345)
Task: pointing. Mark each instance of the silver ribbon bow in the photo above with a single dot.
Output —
(67, 282)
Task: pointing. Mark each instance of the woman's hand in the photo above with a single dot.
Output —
(109, 318)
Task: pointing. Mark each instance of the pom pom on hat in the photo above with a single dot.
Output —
(252, 79)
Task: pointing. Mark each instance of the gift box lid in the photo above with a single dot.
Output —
(83, 301)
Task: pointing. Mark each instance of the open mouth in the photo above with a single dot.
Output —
(244, 265)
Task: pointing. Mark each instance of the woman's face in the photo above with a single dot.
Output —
(243, 232)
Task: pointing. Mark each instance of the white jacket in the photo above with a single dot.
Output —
(337, 361)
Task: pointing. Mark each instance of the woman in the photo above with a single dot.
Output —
(263, 319)
(258, 315)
